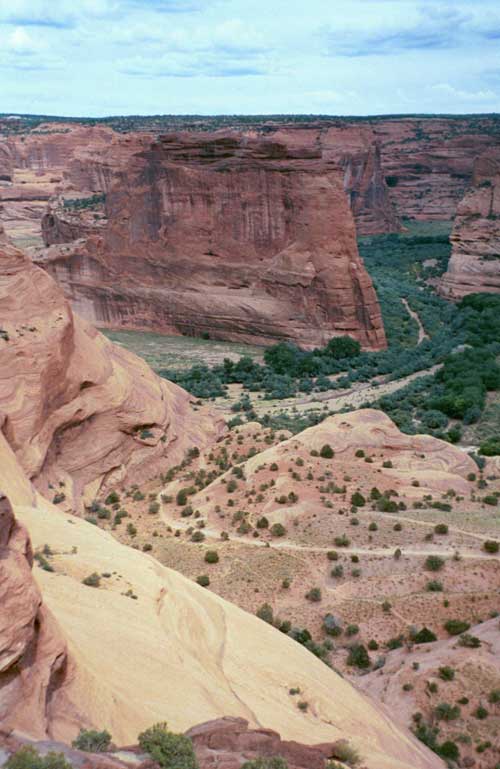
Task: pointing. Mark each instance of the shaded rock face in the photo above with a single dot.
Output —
(244, 239)
(76, 410)
(33, 657)
(475, 261)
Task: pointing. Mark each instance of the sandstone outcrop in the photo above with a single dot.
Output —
(75, 161)
(475, 261)
(243, 239)
(77, 411)
(33, 654)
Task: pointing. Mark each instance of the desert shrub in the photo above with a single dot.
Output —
(373, 526)
(197, 536)
(131, 530)
(434, 586)
(262, 523)
(265, 612)
(491, 546)
(92, 741)
(441, 528)
(352, 630)
(169, 750)
(93, 580)
(480, 712)
(326, 451)
(112, 499)
(212, 556)
(276, 762)
(490, 447)
(424, 636)
(28, 757)
(358, 499)
(446, 712)
(446, 673)
(342, 541)
(456, 626)
(469, 641)
(332, 555)
(337, 571)
(332, 626)
(490, 499)
(449, 750)
(278, 530)
(434, 563)
(346, 753)
(358, 657)
(154, 508)
(203, 580)
(494, 697)
(314, 595)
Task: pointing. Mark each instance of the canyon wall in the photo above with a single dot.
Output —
(428, 163)
(78, 412)
(475, 261)
(241, 238)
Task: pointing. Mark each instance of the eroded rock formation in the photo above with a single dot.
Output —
(77, 411)
(33, 654)
(243, 239)
(475, 261)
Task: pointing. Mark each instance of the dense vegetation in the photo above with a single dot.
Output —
(463, 339)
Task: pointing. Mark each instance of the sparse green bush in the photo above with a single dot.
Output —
(434, 563)
(212, 556)
(169, 750)
(456, 626)
(28, 757)
(326, 451)
(93, 580)
(203, 580)
(92, 741)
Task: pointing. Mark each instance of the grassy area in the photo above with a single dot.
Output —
(179, 352)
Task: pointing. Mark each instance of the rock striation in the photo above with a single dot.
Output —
(244, 239)
(475, 261)
(78, 412)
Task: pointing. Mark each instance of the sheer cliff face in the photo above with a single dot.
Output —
(78, 412)
(475, 261)
(356, 149)
(243, 239)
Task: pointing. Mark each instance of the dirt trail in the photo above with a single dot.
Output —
(387, 552)
(422, 333)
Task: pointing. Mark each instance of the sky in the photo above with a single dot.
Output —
(338, 57)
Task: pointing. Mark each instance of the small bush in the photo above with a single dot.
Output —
(92, 741)
(434, 586)
(480, 712)
(434, 563)
(456, 626)
(342, 541)
(28, 757)
(358, 499)
(212, 556)
(314, 595)
(424, 636)
(278, 530)
(93, 580)
(326, 451)
(154, 508)
(446, 673)
(358, 657)
(169, 750)
(469, 641)
(446, 712)
(203, 580)
(441, 528)
(491, 546)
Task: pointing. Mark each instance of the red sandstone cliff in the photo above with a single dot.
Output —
(245, 239)
(475, 261)
(77, 411)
